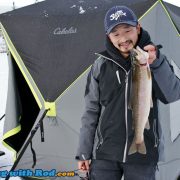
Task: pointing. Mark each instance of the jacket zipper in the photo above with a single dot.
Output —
(126, 90)
(155, 134)
(125, 149)
(118, 77)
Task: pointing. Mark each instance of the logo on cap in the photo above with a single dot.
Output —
(117, 14)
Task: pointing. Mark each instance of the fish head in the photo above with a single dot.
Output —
(139, 56)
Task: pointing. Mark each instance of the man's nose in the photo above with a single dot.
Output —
(122, 39)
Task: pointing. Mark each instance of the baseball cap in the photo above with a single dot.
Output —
(119, 15)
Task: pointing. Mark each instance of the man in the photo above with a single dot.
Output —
(107, 95)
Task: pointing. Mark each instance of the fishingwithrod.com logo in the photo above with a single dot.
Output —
(36, 173)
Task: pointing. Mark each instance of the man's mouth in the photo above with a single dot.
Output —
(125, 44)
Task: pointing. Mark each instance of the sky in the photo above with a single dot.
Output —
(19, 3)
(7, 5)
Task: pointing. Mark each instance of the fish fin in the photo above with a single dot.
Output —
(133, 149)
(133, 124)
(131, 96)
(151, 102)
(147, 126)
(141, 148)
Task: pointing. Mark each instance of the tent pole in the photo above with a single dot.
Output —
(28, 141)
(2, 117)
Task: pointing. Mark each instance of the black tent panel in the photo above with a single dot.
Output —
(57, 39)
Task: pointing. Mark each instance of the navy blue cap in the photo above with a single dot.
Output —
(119, 15)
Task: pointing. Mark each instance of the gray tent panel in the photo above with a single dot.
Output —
(174, 13)
(162, 31)
(71, 105)
(13, 111)
(174, 110)
(174, 116)
(167, 36)
(61, 142)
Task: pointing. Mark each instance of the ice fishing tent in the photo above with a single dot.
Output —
(51, 48)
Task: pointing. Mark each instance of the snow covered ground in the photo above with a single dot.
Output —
(6, 160)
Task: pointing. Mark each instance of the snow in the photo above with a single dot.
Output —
(7, 159)
(81, 10)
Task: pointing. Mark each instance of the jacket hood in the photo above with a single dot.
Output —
(143, 40)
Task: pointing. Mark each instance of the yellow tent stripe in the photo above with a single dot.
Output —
(12, 132)
(148, 10)
(9, 134)
(167, 13)
(73, 83)
(18, 59)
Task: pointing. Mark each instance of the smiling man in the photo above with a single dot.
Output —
(124, 37)
(106, 133)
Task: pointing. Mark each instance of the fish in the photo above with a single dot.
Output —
(140, 100)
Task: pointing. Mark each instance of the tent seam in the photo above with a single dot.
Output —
(9, 134)
(167, 13)
(22, 67)
(148, 11)
(72, 83)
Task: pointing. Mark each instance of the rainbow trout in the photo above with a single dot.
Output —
(141, 99)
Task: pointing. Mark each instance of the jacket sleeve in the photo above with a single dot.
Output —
(90, 116)
(166, 84)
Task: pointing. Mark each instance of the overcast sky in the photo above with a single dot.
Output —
(7, 5)
(17, 2)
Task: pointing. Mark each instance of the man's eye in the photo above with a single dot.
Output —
(116, 35)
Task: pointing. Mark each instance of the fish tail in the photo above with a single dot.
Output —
(141, 148)
(133, 148)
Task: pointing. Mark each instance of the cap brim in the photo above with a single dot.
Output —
(125, 22)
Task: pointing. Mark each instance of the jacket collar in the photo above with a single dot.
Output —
(113, 53)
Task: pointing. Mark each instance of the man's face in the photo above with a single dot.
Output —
(124, 37)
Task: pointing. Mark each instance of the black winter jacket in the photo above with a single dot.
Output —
(106, 131)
